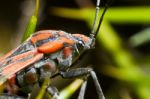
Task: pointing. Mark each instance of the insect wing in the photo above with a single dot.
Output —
(16, 63)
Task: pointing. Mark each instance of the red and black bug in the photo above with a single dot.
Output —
(45, 54)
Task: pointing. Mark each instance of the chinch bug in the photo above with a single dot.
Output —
(45, 54)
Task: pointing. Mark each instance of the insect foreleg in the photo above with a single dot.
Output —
(6, 96)
(82, 90)
(84, 72)
(53, 91)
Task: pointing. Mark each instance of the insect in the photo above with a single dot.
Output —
(45, 54)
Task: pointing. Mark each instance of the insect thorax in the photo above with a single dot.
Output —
(62, 47)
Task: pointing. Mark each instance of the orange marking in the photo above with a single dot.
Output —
(42, 35)
(67, 51)
(66, 40)
(83, 37)
(50, 47)
(23, 55)
(61, 33)
(15, 67)
(54, 46)
(18, 57)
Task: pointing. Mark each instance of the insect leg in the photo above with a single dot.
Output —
(46, 68)
(53, 91)
(82, 90)
(84, 72)
(6, 96)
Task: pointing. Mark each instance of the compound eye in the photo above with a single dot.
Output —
(81, 42)
(79, 46)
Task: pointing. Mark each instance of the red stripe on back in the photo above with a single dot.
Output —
(41, 35)
(17, 66)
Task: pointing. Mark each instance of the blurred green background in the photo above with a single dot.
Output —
(121, 58)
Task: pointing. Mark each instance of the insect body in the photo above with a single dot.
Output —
(46, 54)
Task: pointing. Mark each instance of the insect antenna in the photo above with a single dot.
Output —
(96, 15)
(102, 16)
(93, 34)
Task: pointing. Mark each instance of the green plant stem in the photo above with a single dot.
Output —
(69, 90)
(42, 91)
(36, 8)
(31, 25)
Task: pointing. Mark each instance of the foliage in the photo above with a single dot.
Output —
(126, 69)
